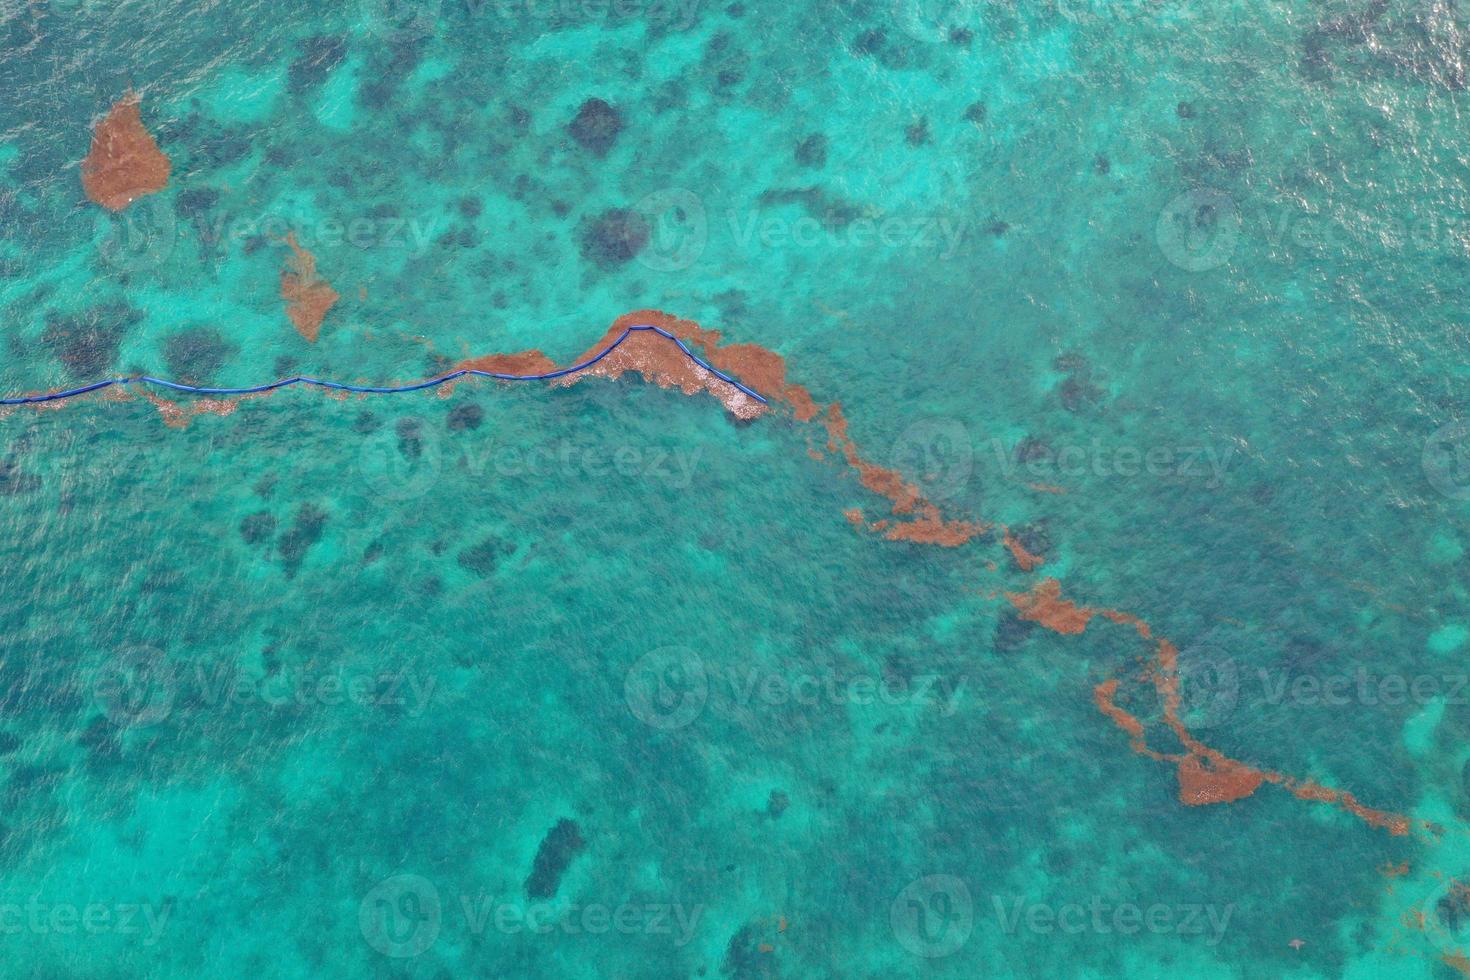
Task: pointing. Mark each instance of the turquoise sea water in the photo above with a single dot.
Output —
(606, 685)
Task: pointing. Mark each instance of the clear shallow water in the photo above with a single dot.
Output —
(259, 670)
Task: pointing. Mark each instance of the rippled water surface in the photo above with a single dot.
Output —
(518, 680)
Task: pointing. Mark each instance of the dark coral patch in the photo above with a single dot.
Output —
(1011, 631)
(102, 740)
(613, 237)
(319, 55)
(1077, 391)
(746, 955)
(410, 434)
(1078, 394)
(466, 415)
(563, 843)
(257, 528)
(727, 60)
(195, 355)
(777, 803)
(306, 530)
(1029, 544)
(596, 126)
(1033, 448)
(87, 343)
(193, 202)
(895, 53)
(14, 482)
(812, 151)
(485, 557)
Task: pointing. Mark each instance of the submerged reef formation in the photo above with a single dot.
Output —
(86, 343)
(558, 848)
(124, 162)
(596, 127)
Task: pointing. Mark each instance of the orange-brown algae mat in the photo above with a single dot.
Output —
(1205, 775)
(124, 162)
(308, 296)
(911, 516)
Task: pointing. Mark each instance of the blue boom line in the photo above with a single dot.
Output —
(388, 389)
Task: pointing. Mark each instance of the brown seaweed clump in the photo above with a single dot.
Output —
(124, 162)
(913, 519)
(661, 362)
(178, 414)
(1205, 775)
(1024, 559)
(1044, 604)
(526, 362)
(308, 296)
